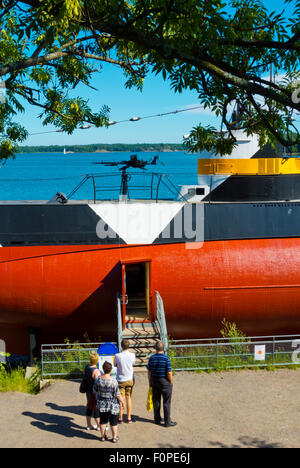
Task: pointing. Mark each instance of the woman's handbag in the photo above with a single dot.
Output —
(83, 385)
(149, 400)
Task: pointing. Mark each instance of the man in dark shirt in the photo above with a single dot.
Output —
(161, 380)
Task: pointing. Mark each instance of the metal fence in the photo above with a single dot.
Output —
(186, 355)
(66, 359)
(220, 353)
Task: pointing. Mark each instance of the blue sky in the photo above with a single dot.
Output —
(157, 97)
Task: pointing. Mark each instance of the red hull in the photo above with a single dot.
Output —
(70, 290)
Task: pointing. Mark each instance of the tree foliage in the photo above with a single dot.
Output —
(221, 50)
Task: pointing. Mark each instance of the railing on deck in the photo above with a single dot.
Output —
(119, 322)
(152, 186)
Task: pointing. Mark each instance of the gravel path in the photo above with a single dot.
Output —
(229, 409)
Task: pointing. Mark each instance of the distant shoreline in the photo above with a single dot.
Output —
(104, 148)
(100, 152)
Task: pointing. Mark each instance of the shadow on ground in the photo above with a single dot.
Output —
(79, 410)
(247, 442)
(62, 425)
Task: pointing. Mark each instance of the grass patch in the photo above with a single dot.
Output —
(13, 380)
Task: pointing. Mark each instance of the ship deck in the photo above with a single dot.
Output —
(131, 201)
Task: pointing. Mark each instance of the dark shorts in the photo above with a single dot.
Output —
(112, 419)
(91, 401)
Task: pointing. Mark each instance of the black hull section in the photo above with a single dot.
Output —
(42, 224)
(29, 225)
(233, 221)
(257, 188)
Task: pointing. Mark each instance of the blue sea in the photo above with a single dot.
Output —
(39, 176)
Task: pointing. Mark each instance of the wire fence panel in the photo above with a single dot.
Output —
(216, 354)
(67, 359)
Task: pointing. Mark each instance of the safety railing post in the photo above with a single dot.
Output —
(42, 353)
(94, 186)
(79, 361)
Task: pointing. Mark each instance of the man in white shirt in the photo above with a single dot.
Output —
(124, 362)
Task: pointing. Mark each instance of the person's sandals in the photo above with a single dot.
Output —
(104, 438)
(115, 439)
(120, 421)
(129, 421)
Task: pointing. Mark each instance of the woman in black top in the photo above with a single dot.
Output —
(91, 373)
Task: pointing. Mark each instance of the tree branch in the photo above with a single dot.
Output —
(277, 135)
(199, 60)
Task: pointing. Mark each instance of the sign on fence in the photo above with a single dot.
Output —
(107, 352)
(110, 359)
(260, 352)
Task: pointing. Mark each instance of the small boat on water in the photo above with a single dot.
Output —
(68, 152)
(226, 247)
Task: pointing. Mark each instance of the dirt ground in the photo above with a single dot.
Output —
(229, 409)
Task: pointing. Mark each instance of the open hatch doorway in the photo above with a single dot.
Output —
(136, 291)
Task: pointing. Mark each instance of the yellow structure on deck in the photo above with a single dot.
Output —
(259, 166)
